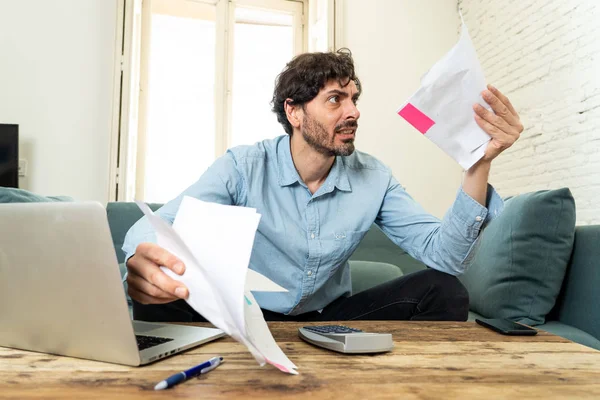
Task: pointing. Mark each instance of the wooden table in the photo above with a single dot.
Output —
(430, 361)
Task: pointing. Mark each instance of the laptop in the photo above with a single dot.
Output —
(61, 289)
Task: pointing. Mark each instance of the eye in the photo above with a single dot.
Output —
(334, 99)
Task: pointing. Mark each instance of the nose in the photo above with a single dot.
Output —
(352, 111)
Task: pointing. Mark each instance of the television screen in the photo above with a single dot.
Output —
(9, 155)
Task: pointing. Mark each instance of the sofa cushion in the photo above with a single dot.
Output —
(472, 315)
(367, 274)
(520, 265)
(12, 195)
(571, 333)
(376, 246)
(560, 329)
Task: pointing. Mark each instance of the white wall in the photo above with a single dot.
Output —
(56, 82)
(546, 57)
(394, 42)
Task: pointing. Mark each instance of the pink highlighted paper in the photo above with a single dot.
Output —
(416, 118)
(442, 108)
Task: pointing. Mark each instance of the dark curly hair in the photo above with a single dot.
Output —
(308, 73)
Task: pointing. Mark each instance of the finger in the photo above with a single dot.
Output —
(515, 120)
(503, 99)
(143, 298)
(149, 271)
(140, 284)
(491, 130)
(500, 109)
(495, 120)
(160, 256)
(159, 279)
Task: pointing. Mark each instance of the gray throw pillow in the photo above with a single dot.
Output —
(520, 265)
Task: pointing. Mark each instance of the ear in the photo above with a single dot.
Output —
(293, 113)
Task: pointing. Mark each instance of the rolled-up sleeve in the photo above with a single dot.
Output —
(221, 183)
(447, 245)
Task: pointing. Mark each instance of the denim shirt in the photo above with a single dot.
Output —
(304, 240)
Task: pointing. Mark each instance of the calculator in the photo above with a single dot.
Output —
(344, 339)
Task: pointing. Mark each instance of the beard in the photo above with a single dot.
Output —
(315, 134)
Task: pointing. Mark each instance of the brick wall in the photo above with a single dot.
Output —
(545, 56)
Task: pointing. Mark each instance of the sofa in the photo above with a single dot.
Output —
(532, 264)
(575, 316)
(501, 284)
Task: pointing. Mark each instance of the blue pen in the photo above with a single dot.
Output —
(182, 376)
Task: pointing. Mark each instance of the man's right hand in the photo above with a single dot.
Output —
(147, 283)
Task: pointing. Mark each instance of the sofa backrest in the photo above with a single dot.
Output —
(121, 216)
(376, 246)
(578, 304)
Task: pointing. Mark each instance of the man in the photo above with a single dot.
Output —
(318, 197)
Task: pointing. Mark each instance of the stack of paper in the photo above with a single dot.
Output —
(214, 242)
(442, 107)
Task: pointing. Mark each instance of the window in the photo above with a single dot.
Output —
(206, 71)
(258, 33)
(179, 136)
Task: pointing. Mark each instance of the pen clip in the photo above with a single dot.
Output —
(215, 365)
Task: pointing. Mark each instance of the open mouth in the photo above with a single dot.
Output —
(346, 132)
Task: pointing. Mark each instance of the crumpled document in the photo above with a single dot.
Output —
(442, 108)
(215, 241)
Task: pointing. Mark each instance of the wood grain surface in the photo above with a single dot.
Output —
(430, 360)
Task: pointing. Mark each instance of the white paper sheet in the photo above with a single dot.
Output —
(260, 336)
(221, 239)
(215, 243)
(442, 108)
(201, 298)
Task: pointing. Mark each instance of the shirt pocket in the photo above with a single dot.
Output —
(339, 246)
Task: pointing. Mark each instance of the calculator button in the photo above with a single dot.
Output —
(332, 329)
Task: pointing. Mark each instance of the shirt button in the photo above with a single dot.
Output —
(478, 218)
(309, 273)
(312, 235)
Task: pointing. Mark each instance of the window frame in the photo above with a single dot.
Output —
(127, 157)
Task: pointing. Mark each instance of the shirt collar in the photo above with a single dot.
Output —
(288, 175)
(339, 175)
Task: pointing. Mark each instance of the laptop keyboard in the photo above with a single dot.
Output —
(145, 342)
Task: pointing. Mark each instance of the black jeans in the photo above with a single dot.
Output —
(426, 295)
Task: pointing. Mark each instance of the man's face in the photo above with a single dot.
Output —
(330, 120)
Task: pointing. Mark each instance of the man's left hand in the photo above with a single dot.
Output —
(503, 125)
